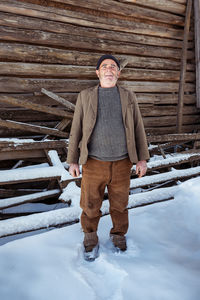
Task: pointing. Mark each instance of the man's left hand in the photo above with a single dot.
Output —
(141, 168)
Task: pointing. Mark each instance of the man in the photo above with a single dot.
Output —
(107, 136)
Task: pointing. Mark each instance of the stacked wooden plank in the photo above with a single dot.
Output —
(160, 184)
(55, 45)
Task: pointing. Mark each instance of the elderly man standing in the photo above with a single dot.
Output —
(107, 137)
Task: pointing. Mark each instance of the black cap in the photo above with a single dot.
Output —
(107, 56)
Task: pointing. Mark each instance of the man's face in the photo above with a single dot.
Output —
(108, 73)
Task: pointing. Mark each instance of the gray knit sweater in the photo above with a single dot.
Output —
(108, 140)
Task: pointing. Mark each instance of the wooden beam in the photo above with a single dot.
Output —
(20, 85)
(183, 68)
(106, 6)
(71, 71)
(27, 22)
(14, 201)
(37, 107)
(197, 48)
(174, 137)
(42, 54)
(87, 43)
(59, 99)
(33, 128)
(163, 5)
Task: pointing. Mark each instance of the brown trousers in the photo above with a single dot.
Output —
(96, 176)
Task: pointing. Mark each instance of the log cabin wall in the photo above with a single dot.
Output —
(55, 45)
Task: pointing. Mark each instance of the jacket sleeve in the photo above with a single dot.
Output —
(140, 135)
(75, 133)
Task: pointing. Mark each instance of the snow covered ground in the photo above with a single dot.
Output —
(162, 261)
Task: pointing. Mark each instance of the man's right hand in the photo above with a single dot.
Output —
(74, 170)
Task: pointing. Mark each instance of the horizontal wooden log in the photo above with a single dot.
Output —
(29, 116)
(171, 129)
(169, 121)
(127, 10)
(180, 1)
(7, 193)
(156, 111)
(163, 5)
(79, 42)
(162, 178)
(32, 128)
(17, 21)
(164, 98)
(20, 85)
(14, 201)
(42, 54)
(89, 20)
(38, 98)
(60, 71)
(27, 155)
(174, 137)
(105, 6)
(10, 145)
(37, 107)
(142, 98)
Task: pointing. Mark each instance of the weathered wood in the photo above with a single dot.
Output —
(105, 6)
(42, 54)
(163, 98)
(169, 121)
(37, 107)
(106, 23)
(161, 178)
(59, 99)
(142, 98)
(129, 10)
(20, 85)
(156, 111)
(61, 71)
(173, 137)
(170, 129)
(197, 48)
(14, 201)
(86, 43)
(163, 5)
(183, 68)
(17, 21)
(60, 126)
(10, 145)
(29, 116)
(32, 128)
(38, 179)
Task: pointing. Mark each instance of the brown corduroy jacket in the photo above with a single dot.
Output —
(85, 118)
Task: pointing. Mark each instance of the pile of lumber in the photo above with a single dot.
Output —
(174, 158)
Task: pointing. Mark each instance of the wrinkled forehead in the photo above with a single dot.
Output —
(108, 62)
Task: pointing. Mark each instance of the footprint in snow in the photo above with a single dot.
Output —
(103, 277)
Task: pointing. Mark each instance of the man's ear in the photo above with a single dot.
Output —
(97, 72)
(118, 74)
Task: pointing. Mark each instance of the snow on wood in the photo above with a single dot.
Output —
(20, 175)
(72, 214)
(9, 202)
(172, 160)
(158, 178)
(55, 160)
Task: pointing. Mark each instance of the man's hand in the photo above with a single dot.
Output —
(74, 170)
(141, 168)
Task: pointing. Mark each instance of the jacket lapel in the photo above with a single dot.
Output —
(93, 101)
(124, 101)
